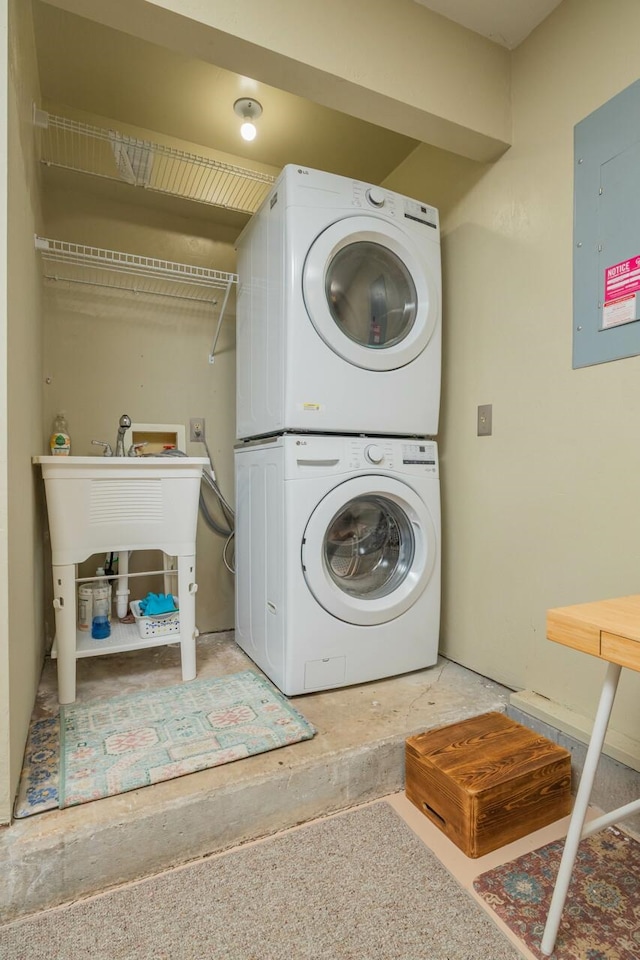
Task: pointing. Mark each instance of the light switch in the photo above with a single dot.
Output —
(485, 417)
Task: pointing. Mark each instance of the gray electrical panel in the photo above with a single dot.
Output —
(606, 260)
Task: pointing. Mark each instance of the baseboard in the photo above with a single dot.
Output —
(576, 725)
(616, 783)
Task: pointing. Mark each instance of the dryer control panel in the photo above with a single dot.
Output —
(421, 213)
(375, 198)
(394, 205)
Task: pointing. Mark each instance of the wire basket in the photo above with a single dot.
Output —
(158, 626)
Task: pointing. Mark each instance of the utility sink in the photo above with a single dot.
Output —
(98, 504)
(107, 504)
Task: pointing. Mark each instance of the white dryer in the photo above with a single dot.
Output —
(337, 558)
(338, 310)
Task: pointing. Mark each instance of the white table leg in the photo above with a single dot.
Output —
(581, 805)
(64, 602)
(186, 592)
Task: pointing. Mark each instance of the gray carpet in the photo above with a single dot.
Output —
(360, 886)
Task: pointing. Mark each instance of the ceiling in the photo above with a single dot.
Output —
(104, 72)
(507, 22)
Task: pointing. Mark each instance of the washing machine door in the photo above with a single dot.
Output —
(369, 293)
(369, 549)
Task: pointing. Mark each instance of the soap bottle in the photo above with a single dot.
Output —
(103, 587)
(100, 624)
(60, 442)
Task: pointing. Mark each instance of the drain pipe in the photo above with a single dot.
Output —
(122, 590)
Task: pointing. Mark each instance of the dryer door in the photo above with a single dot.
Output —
(369, 549)
(370, 294)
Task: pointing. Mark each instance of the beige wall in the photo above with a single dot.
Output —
(391, 62)
(21, 592)
(5, 711)
(437, 176)
(544, 512)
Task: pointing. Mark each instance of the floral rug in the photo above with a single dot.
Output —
(38, 789)
(601, 918)
(113, 746)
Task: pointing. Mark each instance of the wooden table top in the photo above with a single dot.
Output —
(608, 629)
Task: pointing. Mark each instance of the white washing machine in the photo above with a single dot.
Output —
(338, 311)
(337, 558)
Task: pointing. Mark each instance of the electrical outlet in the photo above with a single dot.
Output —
(196, 430)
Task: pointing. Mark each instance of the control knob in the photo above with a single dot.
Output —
(374, 453)
(375, 196)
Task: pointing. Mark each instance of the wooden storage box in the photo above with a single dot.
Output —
(487, 781)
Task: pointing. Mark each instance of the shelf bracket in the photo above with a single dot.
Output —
(220, 319)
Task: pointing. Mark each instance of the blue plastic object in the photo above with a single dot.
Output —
(156, 603)
(100, 628)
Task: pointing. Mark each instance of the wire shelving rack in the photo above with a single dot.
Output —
(95, 266)
(74, 145)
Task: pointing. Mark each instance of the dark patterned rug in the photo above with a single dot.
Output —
(601, 918)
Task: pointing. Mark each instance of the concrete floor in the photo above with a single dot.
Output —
(357, 755)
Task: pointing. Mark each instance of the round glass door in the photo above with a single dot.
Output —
(370, 294)
(369, 549)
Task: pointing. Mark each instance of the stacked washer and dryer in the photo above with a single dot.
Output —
(338, 394)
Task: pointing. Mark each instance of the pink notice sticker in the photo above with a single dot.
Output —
(622, 279)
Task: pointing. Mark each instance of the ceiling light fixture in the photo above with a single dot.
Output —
(249, 110)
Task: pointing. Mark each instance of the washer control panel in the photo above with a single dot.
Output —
(424, 453)
(326, 455)
(393, 453)
(374, 453)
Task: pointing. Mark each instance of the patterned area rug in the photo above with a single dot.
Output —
(601, 918)
(113, 746)
(38, 789)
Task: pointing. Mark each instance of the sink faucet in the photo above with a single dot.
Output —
(123, 426)
(107, 451)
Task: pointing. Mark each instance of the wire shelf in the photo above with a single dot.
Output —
(127, 271)
(95, 266)
(78, 146)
